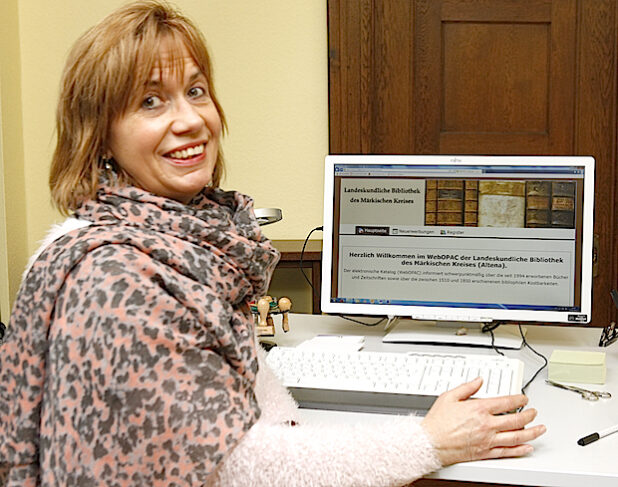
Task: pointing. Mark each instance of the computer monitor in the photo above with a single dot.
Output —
(459, 238)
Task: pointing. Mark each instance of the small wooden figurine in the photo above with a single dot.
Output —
(284, 306)
(263, 310)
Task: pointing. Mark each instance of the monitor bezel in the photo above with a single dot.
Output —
(459, 313)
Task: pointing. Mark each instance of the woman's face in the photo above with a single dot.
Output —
(168, 139)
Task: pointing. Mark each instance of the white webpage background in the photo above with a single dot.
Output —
(365, 271)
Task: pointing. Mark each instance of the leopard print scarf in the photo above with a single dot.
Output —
(130, 358)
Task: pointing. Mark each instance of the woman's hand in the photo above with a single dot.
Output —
(463, 430)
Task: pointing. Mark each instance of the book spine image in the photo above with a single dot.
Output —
(501, 203)
(538, 199)
(431, 193)
(471, 203)
(563, 204)
(449, 209)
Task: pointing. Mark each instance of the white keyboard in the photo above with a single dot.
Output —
(387, 382)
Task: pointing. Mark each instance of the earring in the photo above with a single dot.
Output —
(110, 169)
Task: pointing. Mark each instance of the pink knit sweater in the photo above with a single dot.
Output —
(392, 452)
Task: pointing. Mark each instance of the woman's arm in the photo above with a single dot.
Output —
(392, 452)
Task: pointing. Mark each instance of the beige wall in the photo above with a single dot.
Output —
(270, 60)
(13, 212)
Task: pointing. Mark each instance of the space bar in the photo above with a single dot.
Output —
(361, 401)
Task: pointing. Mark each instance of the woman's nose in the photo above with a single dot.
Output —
(187, 118)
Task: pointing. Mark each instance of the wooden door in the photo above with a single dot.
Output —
(482, 77)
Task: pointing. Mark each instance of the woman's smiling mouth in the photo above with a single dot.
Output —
(187, 155)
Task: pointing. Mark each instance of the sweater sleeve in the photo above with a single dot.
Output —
(393, 452)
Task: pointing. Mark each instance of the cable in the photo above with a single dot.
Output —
(315, 293)
(300, 264)
(362, 323)
(526, 344)
(489, 328)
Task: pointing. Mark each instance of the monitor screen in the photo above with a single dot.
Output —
(461, 238)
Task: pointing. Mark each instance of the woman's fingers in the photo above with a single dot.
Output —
(494, 405)
(504, 452)
(464, 391)
(518, 437)
(509, 444)
(515, 443)
(514, 421)
(505, 404)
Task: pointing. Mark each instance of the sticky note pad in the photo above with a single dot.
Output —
(577, 366)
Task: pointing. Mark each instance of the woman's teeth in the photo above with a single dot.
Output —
(187, 153)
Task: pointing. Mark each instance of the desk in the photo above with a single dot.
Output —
(557, 460)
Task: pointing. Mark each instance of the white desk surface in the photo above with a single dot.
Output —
(558, 461)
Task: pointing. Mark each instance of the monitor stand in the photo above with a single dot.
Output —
(452, 333)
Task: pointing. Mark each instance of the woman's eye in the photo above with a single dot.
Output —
(196, 92)
(151, 102)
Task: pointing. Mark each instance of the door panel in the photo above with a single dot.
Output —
(496, 79)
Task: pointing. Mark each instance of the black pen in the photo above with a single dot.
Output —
(595, 436)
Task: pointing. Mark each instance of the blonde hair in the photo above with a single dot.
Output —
(107, 67)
